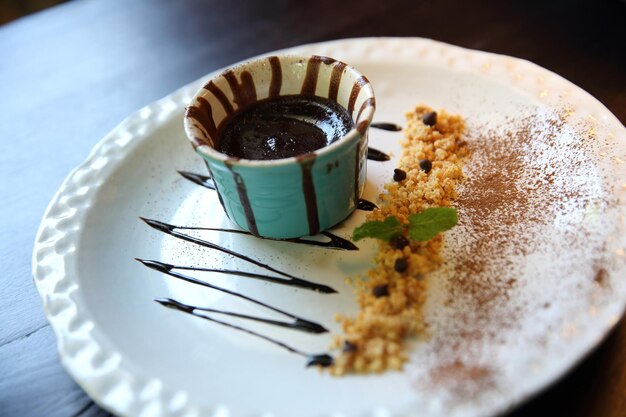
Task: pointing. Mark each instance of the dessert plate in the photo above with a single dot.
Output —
(530, 282)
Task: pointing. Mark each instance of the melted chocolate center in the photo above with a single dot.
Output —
(283, 127)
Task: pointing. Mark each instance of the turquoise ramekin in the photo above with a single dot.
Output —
(290, 197)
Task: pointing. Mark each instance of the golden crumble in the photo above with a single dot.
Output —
(390, 301)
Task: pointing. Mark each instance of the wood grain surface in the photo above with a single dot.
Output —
(68, 75)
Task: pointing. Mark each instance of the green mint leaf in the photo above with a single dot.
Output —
(381, 230)
(430, 222)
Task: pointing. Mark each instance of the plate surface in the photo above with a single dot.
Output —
(496, 337)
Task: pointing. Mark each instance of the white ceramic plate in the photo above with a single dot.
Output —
(136, 358)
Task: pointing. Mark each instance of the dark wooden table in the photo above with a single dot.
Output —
(70, 74)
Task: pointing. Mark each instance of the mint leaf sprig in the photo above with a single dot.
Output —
(384, 230)
(422, 226)
(430, 222)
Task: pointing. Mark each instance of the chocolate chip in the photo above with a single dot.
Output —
(323, 360)
(348, 347)
(380, 290)
(399, 175)
(398, 241)
(426, 165)
(430, 119)
(401, 265)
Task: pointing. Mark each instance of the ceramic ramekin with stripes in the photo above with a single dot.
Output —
(290, 197)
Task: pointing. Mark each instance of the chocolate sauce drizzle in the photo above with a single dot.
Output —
(376, 155)
(164, 267)
(323, 359)
(291, 280)
(299, 323)
(392, 127)
(366, 205)
(335, 241)
(203, 180)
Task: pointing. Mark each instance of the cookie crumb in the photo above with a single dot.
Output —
(392, 294)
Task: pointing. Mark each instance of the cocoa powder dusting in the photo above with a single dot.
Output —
(491, 201)
(529, 189)
(462, 380)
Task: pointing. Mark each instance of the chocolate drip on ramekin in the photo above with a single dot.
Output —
(244, 91)
(308, 188)
(244, 200)
(310, 78)
(335, 80)
(312, 74)
(354, 93)
(219, 94)
(276, 82)
(202, 113)
(369, 102)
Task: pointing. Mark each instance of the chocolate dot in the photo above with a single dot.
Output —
(430, 119)
(348, 347)
(399, 175)
(401, 265)
(380, 290)
(426, 165)
(398, 241)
